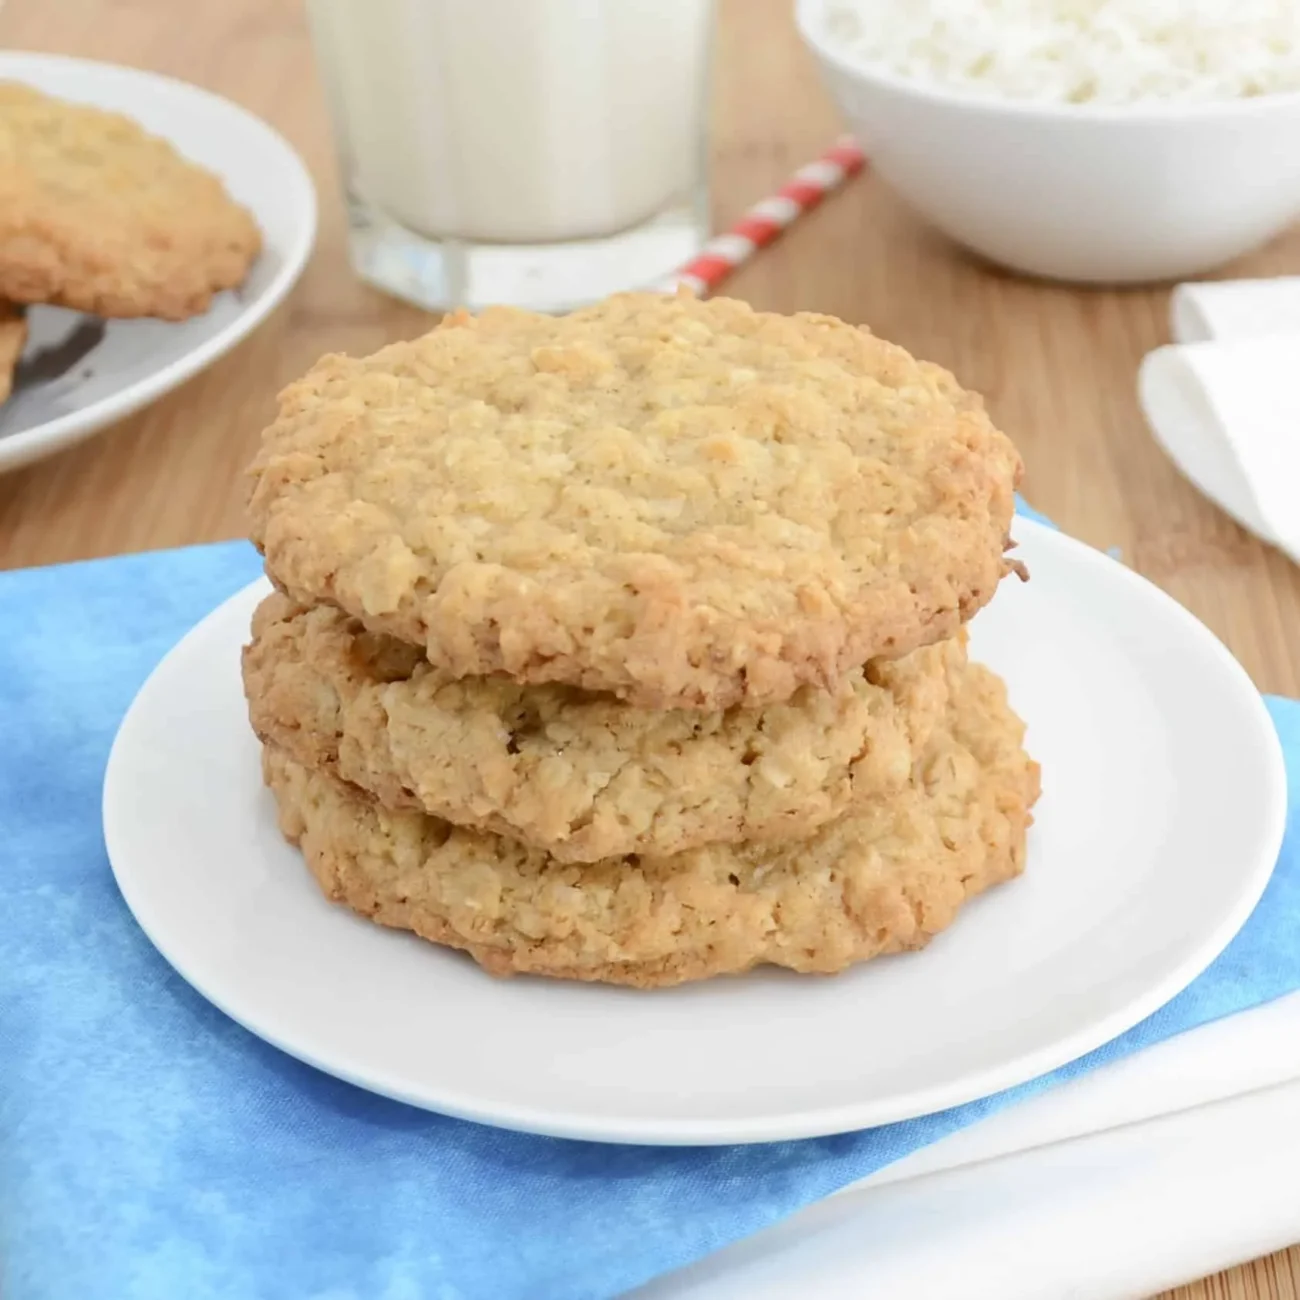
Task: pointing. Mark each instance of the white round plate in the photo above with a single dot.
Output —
(78, 373)
(1161, 818)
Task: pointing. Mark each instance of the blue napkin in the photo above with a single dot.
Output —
(150, 1149)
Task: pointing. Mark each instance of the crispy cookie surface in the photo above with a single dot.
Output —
(13, 338)
(582, 776)
(100, 216)
(882, 879)
(684, 503)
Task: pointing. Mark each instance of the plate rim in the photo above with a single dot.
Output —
(814, 1122)
(36, 443)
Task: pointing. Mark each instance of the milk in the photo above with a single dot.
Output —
(517, 121)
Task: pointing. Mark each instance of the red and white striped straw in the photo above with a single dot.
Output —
(768, 218)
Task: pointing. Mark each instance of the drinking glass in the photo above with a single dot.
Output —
(543, 153)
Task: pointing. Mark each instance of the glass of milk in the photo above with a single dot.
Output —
(542, 153)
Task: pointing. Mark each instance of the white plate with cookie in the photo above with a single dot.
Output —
(1160, 820)
(152, 273)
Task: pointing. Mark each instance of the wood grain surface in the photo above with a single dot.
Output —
(1057, 365)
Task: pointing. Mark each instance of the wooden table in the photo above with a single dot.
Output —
(1056, 365)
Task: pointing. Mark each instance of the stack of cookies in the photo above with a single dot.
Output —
(100, 216)
(628, 645)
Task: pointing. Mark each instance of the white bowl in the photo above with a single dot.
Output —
(1095, 193)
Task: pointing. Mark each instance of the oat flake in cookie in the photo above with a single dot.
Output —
(100, 216)
(684, 503)
(579, 774)
(883, 879)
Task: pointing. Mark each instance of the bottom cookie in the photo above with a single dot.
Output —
(883, 879)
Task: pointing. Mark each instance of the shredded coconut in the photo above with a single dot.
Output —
(1079, 51)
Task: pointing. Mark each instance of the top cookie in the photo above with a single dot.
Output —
(98, 215)
(684, 503)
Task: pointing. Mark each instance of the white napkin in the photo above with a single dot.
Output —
(1224, 400)
(1121, 1182)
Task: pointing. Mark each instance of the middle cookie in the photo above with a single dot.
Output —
(582, 775)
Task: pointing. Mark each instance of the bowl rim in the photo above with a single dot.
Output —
(809, 16)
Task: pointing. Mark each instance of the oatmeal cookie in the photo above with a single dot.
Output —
(687, 504)
(100, 216)
(580, 775)
(13, 338)
(882, 879)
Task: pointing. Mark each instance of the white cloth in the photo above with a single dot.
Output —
(1223, 400)
(1172, 1163)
